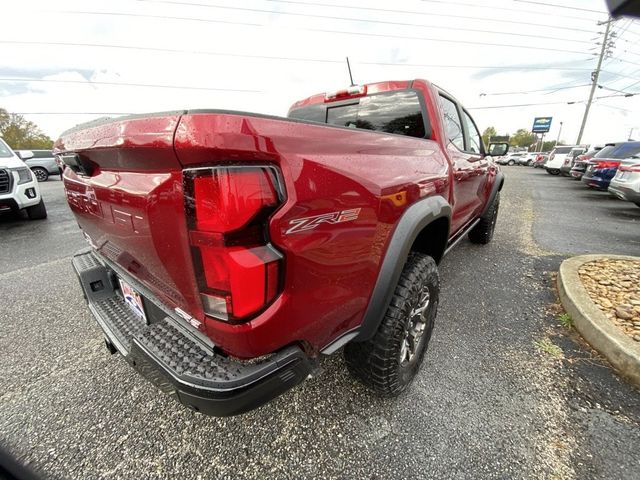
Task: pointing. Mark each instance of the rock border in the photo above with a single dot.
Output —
(621, 351)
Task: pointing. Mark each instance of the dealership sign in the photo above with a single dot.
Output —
(541, 124)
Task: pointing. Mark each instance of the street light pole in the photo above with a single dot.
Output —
(595, 76)
(558, 139)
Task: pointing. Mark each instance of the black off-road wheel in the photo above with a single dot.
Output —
(37, 212)
(482, 233)
(389, 361)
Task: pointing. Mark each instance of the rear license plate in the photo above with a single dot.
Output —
(133, 299)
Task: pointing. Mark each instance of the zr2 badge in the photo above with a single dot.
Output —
(309, 223)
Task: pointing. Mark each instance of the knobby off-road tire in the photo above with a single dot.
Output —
(37, 212)
(390, 360)
(482, 233)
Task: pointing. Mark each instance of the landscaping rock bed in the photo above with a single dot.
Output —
(614, 286)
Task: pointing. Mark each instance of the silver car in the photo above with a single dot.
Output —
(41, 162)
(626, 184)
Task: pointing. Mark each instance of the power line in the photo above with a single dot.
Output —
(465, 42)
(161, 17)
(543, 103)
(292, 59)
(384, 22)
(549, 90)
(373, 9)
(515, 106)
(612, 89)
(538, 12)
(561, 6)
(123, 84)
(431, 39)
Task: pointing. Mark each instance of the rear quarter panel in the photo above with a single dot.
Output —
(330, 269)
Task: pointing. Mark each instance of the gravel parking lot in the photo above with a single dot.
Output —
(488, 403)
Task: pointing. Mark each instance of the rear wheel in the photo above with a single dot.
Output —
(37, 212)
(553, 171)
(511, 162)
(41, 174)
(482, 233)
(389, 361)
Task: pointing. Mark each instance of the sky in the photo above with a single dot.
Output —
(507, 61)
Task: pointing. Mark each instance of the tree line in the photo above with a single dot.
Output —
(522, 138)
(21, 134)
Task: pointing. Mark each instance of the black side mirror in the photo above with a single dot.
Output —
(498, 149)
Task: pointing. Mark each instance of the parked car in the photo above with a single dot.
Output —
(556, 158)
(626, 183)
(581, 161)
(604, 165)
(540, 160)
(212, 232)
(569, 160)
(41, 162)
(19, 189)
(526, 159)
(510, 159)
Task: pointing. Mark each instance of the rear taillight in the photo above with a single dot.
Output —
(605, 164)
(227, 209)
(630, 168)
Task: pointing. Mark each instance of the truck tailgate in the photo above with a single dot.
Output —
(128, 200)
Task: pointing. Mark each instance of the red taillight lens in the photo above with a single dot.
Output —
(227, 199)
(606, 164)
(227, 209)
(630, 168)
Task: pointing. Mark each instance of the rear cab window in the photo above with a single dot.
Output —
(399, 112)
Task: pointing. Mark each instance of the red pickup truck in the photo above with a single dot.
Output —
(228, 250)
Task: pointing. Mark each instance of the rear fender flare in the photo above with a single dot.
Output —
(495, 188)
(412, 222)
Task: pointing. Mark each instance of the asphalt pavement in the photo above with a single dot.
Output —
(488, 402)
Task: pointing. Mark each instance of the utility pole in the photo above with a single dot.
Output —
(594, 78)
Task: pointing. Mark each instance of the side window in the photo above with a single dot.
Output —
(473, 136)
(453, 125)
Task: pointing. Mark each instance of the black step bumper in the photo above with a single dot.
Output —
(173, 357)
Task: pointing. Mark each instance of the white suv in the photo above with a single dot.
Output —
(557, 157)
(18, 187)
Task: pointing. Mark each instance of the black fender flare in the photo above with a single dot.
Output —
(497, 186)
(411, 223)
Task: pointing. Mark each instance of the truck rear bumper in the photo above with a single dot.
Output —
(174, 359)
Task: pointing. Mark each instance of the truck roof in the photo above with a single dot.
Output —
(376, 87)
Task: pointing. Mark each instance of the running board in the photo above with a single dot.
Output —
(460, 236)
